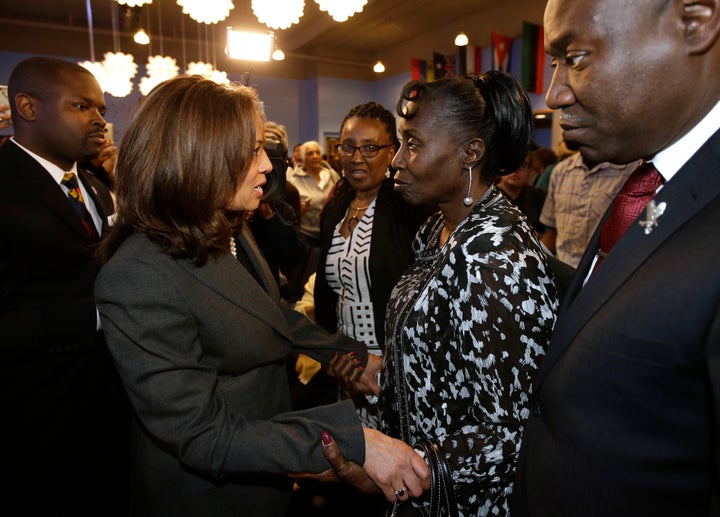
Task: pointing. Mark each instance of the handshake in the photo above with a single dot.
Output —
(391, 466)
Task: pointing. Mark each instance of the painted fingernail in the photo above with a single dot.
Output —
(352, 354)
(326, 438)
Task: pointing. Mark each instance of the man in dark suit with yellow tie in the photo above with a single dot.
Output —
(626, 410)
(65, 416)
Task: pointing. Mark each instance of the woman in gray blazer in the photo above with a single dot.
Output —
(194, 322)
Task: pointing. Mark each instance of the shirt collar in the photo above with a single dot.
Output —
(56, 172)
(672, 158)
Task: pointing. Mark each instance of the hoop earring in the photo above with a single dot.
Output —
(468, 200)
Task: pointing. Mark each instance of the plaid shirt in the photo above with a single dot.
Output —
(576, 201)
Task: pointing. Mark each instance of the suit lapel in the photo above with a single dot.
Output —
(228, 278)
(29, 175)
(248, 244)
(100, 196)
(695, 185)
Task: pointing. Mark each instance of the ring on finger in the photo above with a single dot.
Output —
(400, 491)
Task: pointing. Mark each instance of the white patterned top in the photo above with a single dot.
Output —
(348, 275)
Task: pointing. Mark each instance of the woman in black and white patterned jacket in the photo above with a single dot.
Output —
(468, 323)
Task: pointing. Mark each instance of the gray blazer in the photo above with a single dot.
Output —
(201, 351)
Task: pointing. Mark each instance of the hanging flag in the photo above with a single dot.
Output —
(444, 65)
(419, 69)
(533, 58)
(473, 58)
(501, 51)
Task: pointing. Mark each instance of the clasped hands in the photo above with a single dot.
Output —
(391, 466)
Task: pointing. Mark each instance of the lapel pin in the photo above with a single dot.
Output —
(652, 214)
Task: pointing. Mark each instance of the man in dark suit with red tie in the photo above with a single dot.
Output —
(626, 410)
(65, 416)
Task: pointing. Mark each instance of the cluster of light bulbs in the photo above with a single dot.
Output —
(116, 72)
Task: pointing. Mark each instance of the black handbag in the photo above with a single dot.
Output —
(442, 494)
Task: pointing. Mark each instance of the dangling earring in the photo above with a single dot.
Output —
(468, 200)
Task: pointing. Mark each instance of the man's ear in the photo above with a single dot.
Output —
(701, 19)
(26, 106)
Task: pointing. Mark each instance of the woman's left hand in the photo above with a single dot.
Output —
(342, 469)
(355, 376)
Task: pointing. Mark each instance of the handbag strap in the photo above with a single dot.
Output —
(442, 494)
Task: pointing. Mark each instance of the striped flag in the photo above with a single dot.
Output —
(533, 58)
(419, 69)
(501, 51)
(473, 59)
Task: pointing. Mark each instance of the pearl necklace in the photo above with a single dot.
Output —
(353, 221)
(233, 247)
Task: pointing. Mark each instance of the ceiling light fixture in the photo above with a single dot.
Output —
(141, 37)
(379, 68)
(250, 46)
(206, 11)
(159, 68)
(207, 71)
(134, 3)
(461, 40)
(278, 14)
(119, 67)
(278, 55)
(341, 10)
(96, 68)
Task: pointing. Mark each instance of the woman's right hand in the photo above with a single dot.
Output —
(395, 467)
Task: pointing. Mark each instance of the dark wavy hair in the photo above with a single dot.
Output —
(186, 151)
(492, 106)
(370, 110)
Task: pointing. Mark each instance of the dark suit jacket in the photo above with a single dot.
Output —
(625, 418)
(201, 351)
(65, 414)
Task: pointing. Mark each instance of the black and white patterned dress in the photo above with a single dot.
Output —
(467, 327)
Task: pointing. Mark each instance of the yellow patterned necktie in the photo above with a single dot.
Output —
(76, 198)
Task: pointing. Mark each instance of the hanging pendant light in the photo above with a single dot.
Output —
(134, 3)
(341, 10)
(159, 68)
(461, 40)
(206, 11)
(278, 14)
(120, 68)
(93, 66)
(379, 68)
(141, 37)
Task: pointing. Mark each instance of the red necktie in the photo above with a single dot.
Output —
(76, 198)
(634, 196)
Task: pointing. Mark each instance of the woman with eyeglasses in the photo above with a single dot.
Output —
(366, 233)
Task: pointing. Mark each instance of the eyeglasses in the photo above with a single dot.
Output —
(366, 150)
